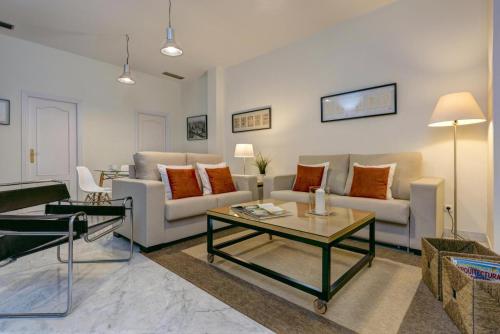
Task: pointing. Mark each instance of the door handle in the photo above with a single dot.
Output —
(32, 156)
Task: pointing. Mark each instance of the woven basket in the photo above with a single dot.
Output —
(433, 250)
(473, 305)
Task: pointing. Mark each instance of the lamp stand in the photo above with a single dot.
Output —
(455, 222)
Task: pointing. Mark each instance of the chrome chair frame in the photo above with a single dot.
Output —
(69, 290)
(69, 235)
(88, 237)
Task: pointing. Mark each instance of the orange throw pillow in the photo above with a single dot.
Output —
(308, 177)
(220, 180)
(370, 182)
(183, 183)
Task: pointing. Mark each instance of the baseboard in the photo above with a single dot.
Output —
(389, 245)
(171, 243)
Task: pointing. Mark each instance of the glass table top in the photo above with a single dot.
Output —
(302, 223)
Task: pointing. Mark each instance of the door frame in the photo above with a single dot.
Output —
(25, 95)
(168, 136)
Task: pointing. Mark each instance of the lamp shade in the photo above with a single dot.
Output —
(461, 108)
(126, 77)
(243, 151)
(170, 47)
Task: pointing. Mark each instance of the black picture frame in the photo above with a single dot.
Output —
(325, 98)
(6, 103)
(252, 111)
(202, 128)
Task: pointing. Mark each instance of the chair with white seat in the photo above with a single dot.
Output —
(87, 184)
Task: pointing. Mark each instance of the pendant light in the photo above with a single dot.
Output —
(170, 47)
(126, 78)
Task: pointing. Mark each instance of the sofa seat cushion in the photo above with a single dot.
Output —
(188, 207)
(290, 196)
(392, 210)
(235, 197)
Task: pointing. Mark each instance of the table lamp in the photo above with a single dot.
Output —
(454, 110)
(243, 151)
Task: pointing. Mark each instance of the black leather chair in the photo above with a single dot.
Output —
(62, 222)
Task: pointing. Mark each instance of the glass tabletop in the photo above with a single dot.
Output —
(110, 171)
(300, 222)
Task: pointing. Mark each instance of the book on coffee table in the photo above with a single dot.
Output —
(261, 211)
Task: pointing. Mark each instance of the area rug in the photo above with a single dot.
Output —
(386, 298)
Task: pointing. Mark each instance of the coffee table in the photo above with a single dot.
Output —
(324, 232)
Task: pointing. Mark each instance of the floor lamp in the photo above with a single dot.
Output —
(455, 110)
(243, 151)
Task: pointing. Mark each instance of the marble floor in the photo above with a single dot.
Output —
(136, 297)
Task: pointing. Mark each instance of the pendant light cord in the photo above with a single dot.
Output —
(169, 13)
(128, 38)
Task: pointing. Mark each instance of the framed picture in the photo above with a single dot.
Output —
(4, 112)
(197, 127)
(367, 102)
(252, 120)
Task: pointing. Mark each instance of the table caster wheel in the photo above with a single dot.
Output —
(320, 306)
(210, 258)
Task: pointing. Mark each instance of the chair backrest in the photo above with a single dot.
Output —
(85, 179)
(17, 196)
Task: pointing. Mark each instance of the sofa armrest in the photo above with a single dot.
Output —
(426, 206)
(149, 208)
(277, 182)
(131, 171)
(247, 182)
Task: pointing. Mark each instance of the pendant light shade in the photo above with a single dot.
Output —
(170, 47)
(126, 77)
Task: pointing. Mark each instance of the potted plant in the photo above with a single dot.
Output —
(262, 163)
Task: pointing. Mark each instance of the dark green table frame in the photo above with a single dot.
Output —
(327, 290)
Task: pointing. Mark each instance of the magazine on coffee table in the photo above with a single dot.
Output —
(261, 211)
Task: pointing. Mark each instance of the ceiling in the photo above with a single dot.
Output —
(211, 32)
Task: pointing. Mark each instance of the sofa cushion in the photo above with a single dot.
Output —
(189, 207)
(370, 182)
(232, 198)
(220, 180)
(193, 158)
(308, 176)
(392, 210)
(146, 163)
(337, 172)
(290, 196)
(409, 168)
(183, 183)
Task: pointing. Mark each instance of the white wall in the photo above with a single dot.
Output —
(107, 109)
(494, 124)
(194, 95)
(200, 96)
(428, 47)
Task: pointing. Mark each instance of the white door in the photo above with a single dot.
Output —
(151, 132)
(50, 141)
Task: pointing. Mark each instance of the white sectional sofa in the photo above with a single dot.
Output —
(416, 210)
(159, 221)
